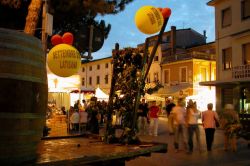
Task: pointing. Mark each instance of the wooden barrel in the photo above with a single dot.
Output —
(23, 96)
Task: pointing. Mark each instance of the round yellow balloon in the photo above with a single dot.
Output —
(64, 60)
(148, 19)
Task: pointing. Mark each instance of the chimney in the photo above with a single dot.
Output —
(205, 35)
(173, 40)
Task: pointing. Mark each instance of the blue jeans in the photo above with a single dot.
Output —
(180, 134)
(194, 128)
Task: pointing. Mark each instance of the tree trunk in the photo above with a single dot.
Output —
(33, 16)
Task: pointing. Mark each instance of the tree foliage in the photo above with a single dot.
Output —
(68, 15)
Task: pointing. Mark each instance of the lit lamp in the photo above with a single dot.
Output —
(55, 82)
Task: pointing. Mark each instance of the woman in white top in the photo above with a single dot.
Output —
(179, 116)
(193, 127)
(74, 120)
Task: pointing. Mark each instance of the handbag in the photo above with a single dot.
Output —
(217, 124)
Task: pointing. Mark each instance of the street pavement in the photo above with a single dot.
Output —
(216, 157)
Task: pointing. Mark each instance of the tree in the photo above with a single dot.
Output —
(33, 13)
(68, 15)
(73, 11)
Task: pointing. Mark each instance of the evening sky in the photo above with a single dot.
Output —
(193, 14)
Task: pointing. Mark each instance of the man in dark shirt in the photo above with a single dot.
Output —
(169, 107)
(142, 117)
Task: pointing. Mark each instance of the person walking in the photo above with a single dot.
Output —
(142, 117)
(169, 107)
(230, 123)
(208, 120)
(179, 116)
(93, 116)
(153, 115)
(193, 126)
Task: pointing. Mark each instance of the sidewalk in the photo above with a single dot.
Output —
(216, 157)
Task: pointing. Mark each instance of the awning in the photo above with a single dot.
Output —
(83, 90)
(222, 83)
(100, 94)
(175, 89)
(153, 97)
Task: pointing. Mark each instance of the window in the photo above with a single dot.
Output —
(107, 65)
(226, 17)
(90, 68)
(83, 81)
(98, 67)
(106, 79)
(156, 78)
(83, 69)
(203, 74)
(97, 80)
(246, 53)
(166, 76)
(214, 74)
(90, 80)
(227, 58)
(156, 58)
(227, 95)
(245, 9)
(183, 74)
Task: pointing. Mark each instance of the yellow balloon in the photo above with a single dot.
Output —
(64, 60)
(149, 19)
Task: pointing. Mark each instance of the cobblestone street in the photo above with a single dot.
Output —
(216, 157)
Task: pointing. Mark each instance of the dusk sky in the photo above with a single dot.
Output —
(193, 14)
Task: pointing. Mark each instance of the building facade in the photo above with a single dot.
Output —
(182, 60)
(183, 72)
(174, 42)
(232, 28)
(96, 73)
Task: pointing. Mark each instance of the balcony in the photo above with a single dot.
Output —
(186, 56)
(241, 72)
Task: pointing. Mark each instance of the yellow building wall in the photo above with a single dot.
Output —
(174, 68)
(102, 72)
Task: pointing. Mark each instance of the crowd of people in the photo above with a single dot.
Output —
(87, 115)
(183, 123)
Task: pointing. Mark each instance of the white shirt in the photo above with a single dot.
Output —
(75, 117)
(193, 117)
(179, 115)
(83, 117)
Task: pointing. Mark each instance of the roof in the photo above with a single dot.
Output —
(87, 61)
(184, 29)
(213, 2)
(206, 44)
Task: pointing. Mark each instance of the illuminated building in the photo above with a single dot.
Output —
(232, 29)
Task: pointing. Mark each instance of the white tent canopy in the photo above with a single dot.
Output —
(101, 95)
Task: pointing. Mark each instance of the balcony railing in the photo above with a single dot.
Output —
(184, 56)
(241, 72)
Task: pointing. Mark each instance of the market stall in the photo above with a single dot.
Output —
(59, 101)
(101, 95)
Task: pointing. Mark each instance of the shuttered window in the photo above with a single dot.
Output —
(226, 17)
